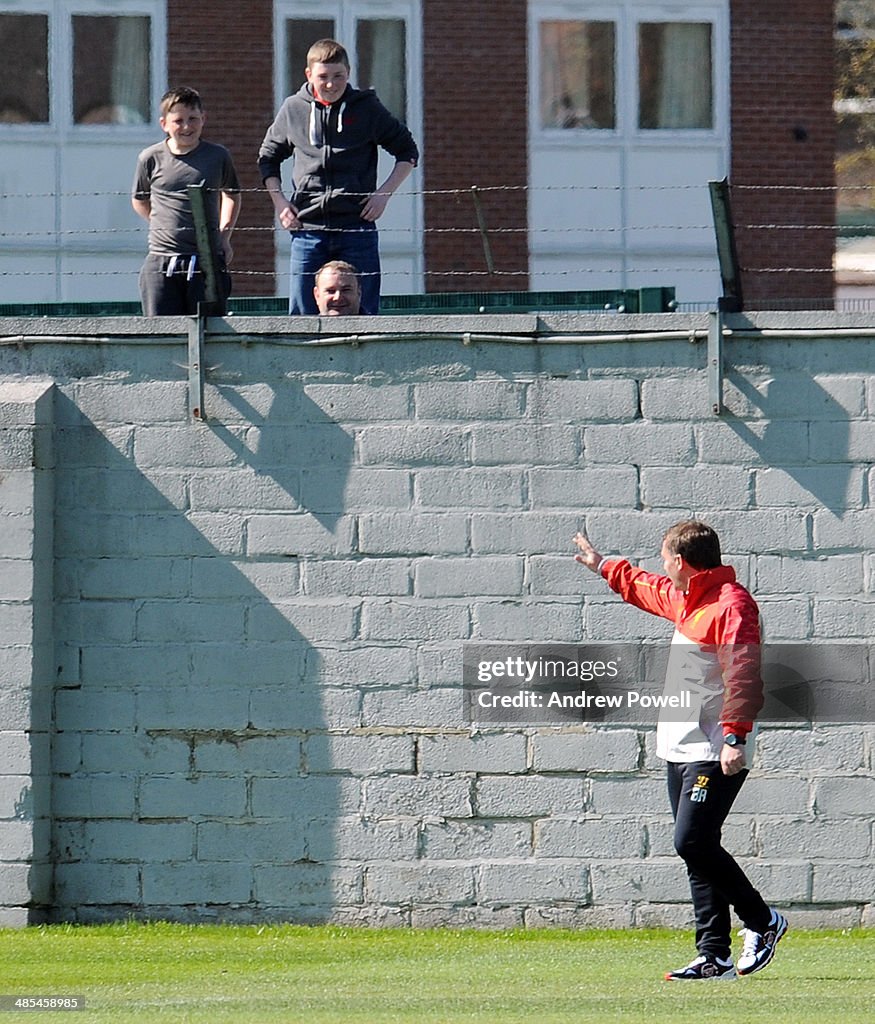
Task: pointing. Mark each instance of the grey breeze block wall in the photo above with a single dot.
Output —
(231, 651)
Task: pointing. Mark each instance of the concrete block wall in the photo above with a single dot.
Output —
(26, 655)
(258, 620)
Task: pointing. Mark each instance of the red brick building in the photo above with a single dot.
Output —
(783, 147)
(580, 136)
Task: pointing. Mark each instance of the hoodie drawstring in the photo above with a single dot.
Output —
(315, 134)
(315, 125)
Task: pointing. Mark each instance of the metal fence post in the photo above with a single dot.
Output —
(727, 254)
(213, 306)
(206, 257)
(715, 361)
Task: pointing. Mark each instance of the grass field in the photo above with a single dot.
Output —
(214, 973)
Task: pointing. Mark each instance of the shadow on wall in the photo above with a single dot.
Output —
(191, 779)
(295, 447)
(806, 432)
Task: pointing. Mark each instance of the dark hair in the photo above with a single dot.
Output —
(695, 542)
(182, 94)
(327, 51)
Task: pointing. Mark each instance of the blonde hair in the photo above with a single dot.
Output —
(327, 51)
(341, 266)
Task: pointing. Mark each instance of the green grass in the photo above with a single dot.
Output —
(214, 973)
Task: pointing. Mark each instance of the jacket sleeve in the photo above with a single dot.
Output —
(739, 651)
(644, 590)
(276, 145)
(395, 137)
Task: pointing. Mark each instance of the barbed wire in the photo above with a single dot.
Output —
(138, 231)
(24, 244)
(572, 272)
(465, 191)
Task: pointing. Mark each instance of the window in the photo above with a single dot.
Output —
(381, 61)
(577, 74)
(674, 75)
(69, 62)
(111, 80)
(24, 53)
(378, 56)
(629, 67)
(300, 34)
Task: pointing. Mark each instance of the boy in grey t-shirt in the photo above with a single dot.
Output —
(171, 282)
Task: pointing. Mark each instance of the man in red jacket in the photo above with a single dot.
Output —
(715, 658)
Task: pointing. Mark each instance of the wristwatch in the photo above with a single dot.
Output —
(731, 740)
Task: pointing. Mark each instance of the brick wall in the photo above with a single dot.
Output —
(783, 134)
(475, 103)
(258, 621)
(225, 51)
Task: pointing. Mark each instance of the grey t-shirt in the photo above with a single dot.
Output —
(163, 178)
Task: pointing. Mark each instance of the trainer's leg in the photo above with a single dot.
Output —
(711, 910)
(702, 798)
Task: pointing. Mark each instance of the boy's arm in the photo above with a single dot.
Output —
(276, 147)
(141, 189)
(229, 211)
(394, 137)
(142, 207)
(286, 214)
(376, 204)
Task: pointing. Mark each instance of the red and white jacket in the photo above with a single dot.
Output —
(715, 656)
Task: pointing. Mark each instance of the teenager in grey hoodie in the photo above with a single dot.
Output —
(333, 132)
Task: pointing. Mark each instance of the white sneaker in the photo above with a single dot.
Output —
(704, 968)
(759, 947)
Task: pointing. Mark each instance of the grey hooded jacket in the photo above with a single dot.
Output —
(335, 149)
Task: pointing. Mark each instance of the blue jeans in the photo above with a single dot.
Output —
(310, 249)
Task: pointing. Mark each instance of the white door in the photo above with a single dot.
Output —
(628, 121)
(383, 40)
(78, 102)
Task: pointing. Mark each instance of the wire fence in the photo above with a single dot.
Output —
(594, 238)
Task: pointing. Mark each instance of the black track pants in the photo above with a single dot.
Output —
(701, 796)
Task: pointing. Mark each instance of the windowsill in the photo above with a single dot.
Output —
(564, 138)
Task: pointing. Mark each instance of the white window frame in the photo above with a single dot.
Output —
(720, 64)
(345, 14)
(60, 65)
(35, 128)
(627, 16)
(559, 11)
